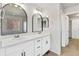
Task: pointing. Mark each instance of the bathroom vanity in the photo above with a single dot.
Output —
(15, 40)
(25, 45)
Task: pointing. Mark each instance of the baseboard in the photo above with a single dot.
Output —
(63, 46)
(51, 53)
(58, 53)
(70, 37)
(75, 38)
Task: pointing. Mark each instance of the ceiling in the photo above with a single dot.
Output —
(67, 5)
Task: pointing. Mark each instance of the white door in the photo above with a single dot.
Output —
(45, 44)
(13, 51)
(28, 48)
(75, 28)
(65, 31)
(24, 49)
(2, 51)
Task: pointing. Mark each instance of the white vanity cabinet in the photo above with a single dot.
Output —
(42, 45)
(34, 47)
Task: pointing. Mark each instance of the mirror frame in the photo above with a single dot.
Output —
(3, 14)
(41, 22)
(47, 20)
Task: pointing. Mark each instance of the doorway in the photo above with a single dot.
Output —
(72, 48)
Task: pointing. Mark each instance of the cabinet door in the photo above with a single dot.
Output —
(28, 48)
(45, 44)
(13, 51)
(29, 51)
(23, 49)
(2, 52)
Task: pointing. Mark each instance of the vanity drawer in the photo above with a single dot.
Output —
(38, 47)
(37, 50)
(38, 54)
(37, 42)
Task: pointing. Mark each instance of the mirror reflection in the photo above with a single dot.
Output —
(14, 19)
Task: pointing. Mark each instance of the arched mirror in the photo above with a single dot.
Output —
(45, 22)
(37, 25)
(14, 19)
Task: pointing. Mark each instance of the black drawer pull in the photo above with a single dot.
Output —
(38, 55)
(38, 47)
(24, 53)
(46, 42)
(21, 54)
(38, 41)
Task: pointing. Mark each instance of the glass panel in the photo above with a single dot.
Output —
(37, 23)
(14, 19)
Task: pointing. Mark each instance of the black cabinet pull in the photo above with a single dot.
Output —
(24, 53)
(38, 41)
(38, 47)
(21, 54)
(46, 42)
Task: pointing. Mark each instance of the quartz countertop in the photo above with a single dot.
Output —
(11, 40)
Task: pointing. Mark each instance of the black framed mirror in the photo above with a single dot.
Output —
(37, 23)
(13, 19)
(45, 22)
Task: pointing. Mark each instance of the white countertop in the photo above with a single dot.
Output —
(11, 40)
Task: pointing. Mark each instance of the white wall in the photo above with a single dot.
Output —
(71, 10)
(75, 28)
(65, 29)
(53, 11)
